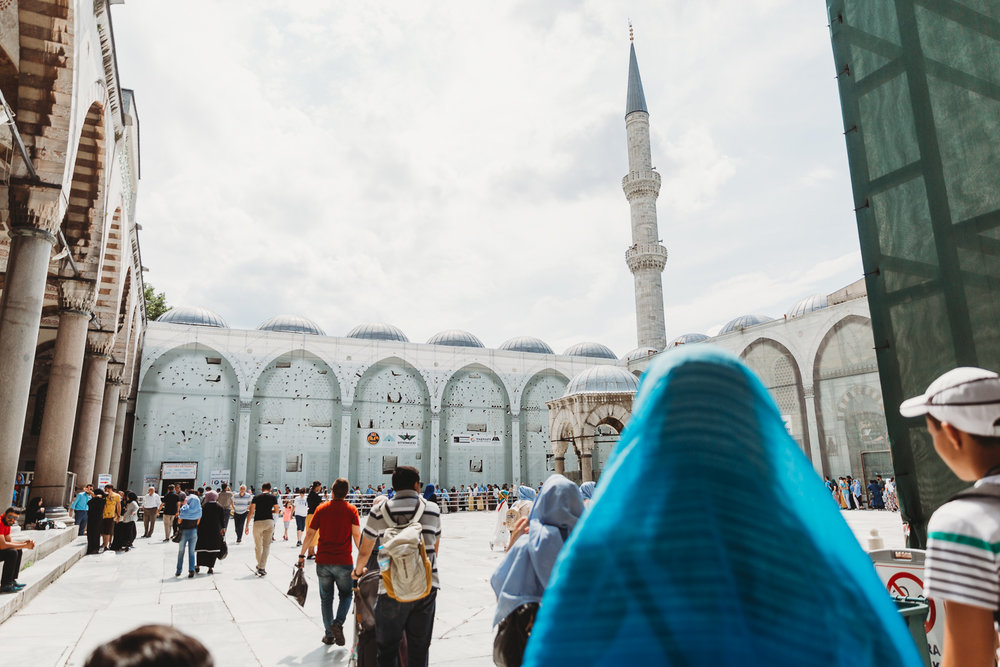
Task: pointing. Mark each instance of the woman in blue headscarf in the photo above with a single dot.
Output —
(522, 576)
(587, 491)
(429, 494)
(735, 555)
(190, 516)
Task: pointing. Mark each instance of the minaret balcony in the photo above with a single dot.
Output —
(642, 182)
(646, 256)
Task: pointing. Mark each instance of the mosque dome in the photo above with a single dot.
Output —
(291, 324)
(526, 344)
(640, 353)
(378, 331)
(687, 339)
(603, 379)
(743, 322)
(201, 317)
(455, 338)
(592, 350)
(808, 305)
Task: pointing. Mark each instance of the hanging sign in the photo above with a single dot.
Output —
(179, 470)
(475, 439)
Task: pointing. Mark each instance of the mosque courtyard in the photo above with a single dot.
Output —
(245, 620)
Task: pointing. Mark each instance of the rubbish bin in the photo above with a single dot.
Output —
(914, 612)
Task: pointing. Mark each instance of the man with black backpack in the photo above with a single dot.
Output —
(410, 531)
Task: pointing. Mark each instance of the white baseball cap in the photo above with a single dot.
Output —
(967, 398)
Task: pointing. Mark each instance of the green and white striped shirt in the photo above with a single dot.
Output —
(963, 551)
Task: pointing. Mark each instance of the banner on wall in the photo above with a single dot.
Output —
(398, 438)
(179, 470)
(150, 481)
(475, 439)
(219, 477)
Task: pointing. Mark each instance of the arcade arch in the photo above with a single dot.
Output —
(475, 428)
(295, 422)
(779, 372)
(189, 406)
(543, 387)
(391, 415)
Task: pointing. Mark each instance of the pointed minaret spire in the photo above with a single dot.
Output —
(635, 100)
(647, 257)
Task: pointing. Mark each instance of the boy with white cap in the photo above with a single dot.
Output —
(962, 410)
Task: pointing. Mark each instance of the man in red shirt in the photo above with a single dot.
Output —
(10, 553)
(338, 525)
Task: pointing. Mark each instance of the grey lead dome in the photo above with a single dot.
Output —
(292, 324)
(378, 331)
(455, 338)
(603, 379)
(526, 344)
(199, 317)
(744, 322)
(592, 350)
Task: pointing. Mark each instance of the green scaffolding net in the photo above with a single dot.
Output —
(920, 90)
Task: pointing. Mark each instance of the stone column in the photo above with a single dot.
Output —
(118, 437)
(586, 466)
(346, 416)
(239, 471)
(559, 449)
(515, 450)
(106, 433)
(434, 470)
(92, 397)
(814, 451)
(76, 299)
(34, 221)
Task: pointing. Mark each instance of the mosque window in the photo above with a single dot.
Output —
(283, 364)
(213, 361)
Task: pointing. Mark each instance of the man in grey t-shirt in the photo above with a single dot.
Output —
(392, 617)
(226, 503)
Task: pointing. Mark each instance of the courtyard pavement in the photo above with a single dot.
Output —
(245, 620)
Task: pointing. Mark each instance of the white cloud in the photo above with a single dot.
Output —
(440, 164)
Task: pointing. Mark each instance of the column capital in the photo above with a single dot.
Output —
(99, 343)
(35, 210)
(77, 296)
(115, 370)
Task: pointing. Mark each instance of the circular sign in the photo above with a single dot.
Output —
(373, 438)
(897, 585)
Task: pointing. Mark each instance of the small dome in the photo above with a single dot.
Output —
(526, 344)
(455, 338)
(592, 350)
(743, 322)
(808, 305)
(603, 379)
(640, 353)
(687, 339)
(291, 324)
(201, 317)
(378, 331)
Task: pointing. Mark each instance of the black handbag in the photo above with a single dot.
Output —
(512, 635)
(223, 550)
(298, 588)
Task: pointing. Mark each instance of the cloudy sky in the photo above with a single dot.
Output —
(446, 163)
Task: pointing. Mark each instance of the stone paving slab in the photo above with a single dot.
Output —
(246, 620)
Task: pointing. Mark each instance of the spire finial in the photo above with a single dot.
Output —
(631, 35)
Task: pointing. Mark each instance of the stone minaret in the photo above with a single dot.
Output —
(647, 257)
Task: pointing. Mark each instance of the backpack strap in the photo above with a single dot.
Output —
(986, 491)
(421, 506)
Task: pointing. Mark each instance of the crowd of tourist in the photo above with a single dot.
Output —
(780, 582)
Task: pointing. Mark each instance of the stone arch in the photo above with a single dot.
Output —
(475, 427)
(778, 370)
(111, 290)
(845, 367)
(187, 410)
(391, 400)
(295, 414)
(8, 85)
(535, 448)
(83, 219)
(601, 430)
(43, 104)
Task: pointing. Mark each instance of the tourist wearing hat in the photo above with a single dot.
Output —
(962, 412)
